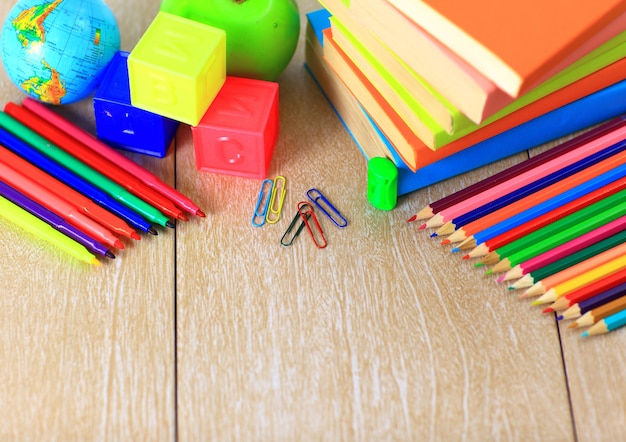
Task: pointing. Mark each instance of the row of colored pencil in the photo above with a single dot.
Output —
(66, 186)
(553, 226)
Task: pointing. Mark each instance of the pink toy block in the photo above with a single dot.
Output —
(238, 132)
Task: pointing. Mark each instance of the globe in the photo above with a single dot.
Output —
(56, 51)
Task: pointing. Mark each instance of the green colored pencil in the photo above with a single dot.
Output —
(83, 170)
(560, 231)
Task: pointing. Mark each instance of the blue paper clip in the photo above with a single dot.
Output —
(280, 185)
(319, 199)
(262, 203)
(305, 210)
(286, 240)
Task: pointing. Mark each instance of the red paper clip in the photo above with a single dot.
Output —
(307, 214)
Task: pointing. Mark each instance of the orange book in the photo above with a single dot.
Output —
(516, 44)
(413, 151)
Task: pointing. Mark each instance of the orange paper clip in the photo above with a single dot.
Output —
(309, 219)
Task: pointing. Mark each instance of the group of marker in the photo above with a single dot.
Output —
(553, 226)
(76, 192)
(269, 206)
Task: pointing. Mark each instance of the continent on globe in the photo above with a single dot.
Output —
(29, 23)
(49, 90)
(56, 51)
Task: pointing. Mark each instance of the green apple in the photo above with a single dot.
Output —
(261, 35)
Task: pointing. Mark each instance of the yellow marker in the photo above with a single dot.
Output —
(27, 221)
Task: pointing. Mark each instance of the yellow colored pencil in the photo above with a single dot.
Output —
(41, 229)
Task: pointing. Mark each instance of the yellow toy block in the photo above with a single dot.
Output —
(177, 68)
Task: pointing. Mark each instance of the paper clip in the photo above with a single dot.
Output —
(280, 185)
(307, 214)
(316, 196)
(262, 203)
(293, 223)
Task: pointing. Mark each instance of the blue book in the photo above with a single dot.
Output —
(578, 115)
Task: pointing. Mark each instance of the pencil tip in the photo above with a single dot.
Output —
(200, 213)
(456, 249)
(501, 278)
(466, 256)
(170, 224)
(584, 334)
(573, 325)
(108, 254)
(489, 272)
(413, 218)
(152, 231)
(422, 227)
(547, 310)
(445, 242)
(434, 234)
(511, 288)
(479, 264)
(560, 318)
(536, 302)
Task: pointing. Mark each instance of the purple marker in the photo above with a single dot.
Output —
(53, 219)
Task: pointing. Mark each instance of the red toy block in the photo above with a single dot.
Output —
(238, 132)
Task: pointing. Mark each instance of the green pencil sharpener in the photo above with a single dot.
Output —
(382, 183)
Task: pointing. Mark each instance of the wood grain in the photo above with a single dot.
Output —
(214, 331)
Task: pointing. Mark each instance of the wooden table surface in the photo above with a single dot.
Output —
(214, 331)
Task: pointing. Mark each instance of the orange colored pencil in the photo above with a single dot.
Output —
(538, 197)
(83, 204)
(541, 287)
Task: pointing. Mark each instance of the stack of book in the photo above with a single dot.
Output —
(442, 87)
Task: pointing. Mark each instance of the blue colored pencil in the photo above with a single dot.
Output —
(68, 177)
(54, 220)
(537, 185)
(550, 204)
(607, 324)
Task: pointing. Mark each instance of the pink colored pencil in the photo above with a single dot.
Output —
(107, 151)
(528, 177)
(573, 246)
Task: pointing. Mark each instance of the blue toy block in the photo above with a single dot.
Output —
(123, 125)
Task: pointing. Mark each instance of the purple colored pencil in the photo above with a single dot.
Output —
(36, 209)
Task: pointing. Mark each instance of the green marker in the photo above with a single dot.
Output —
(382, 183)
(83, 170)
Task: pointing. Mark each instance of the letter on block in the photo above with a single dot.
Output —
(238, 133)
(177, 68)
(125, 126)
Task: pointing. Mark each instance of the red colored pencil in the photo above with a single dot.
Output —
(98, 146)
(93, 159)
(49, 200)
(83, 204)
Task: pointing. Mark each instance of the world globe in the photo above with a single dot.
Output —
(56, 51)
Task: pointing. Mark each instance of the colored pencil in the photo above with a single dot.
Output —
(594, 315)
(579, 187)
(437, 206)
(94, 160)
(579, 257)
(539, 185)
(58, 205)
(578, 309)
(53, 220)
(576, 156)
(76, 199)
(570, 272)
(606, 325)
(83, 170)
(31, 223)
(51, 167)
(146, 176)
(559, 232)
(605, 231)
(565, 287)
(588, 293)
